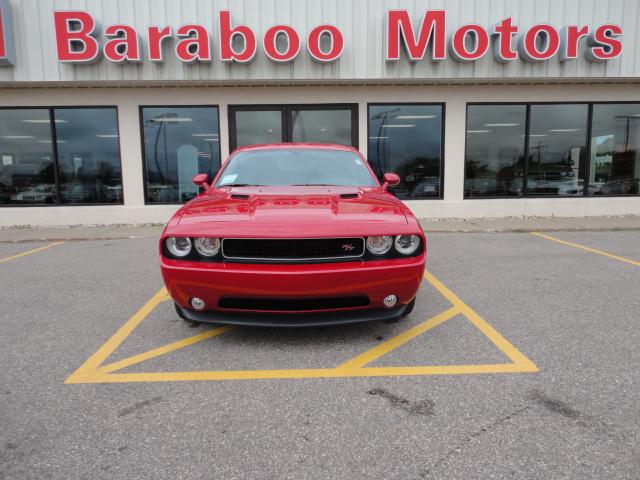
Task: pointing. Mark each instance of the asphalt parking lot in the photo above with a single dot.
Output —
(520, 360)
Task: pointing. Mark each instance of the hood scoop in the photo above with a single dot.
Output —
(240, 196)
(346, 196)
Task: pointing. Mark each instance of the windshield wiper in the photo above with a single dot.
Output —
(241, 185)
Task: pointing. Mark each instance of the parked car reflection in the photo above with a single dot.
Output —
(39, 194)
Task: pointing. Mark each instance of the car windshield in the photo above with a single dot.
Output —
(296, 166)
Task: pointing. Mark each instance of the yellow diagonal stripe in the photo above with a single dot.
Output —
(168, 348)
(395, 342)
(587, 249)
(491, 333)
(95, 360)
(29, 252)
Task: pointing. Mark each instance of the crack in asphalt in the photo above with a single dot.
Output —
(423, 407)
(139, 405)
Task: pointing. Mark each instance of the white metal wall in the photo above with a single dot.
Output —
(361, 22)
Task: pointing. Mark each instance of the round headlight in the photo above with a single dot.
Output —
(178, 246)
(407, 244)
(207, 247)
(379, 245)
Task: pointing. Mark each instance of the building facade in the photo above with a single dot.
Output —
(484, 108)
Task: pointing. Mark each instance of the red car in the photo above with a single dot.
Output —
(293, 235)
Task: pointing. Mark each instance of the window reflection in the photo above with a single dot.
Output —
(494, 157)
(88, 155)
(407, 140)
(557, 149)
(321, 126)
(258, 127)
(614, 167)
(86, 152)
(179, 142)
(27, 173)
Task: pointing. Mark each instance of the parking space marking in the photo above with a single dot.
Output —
(163, 350)
(94, 370)
(587, 249)
(29, 252)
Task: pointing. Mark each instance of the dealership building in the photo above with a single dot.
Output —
(484, 108)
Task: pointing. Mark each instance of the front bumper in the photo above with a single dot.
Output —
(213, 282)
(307, 319)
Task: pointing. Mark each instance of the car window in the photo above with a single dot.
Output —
(296, 166)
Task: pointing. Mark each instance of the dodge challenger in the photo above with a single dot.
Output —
(293, 235)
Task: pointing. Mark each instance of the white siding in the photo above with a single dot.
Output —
(361, 21)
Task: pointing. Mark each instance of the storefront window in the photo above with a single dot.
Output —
(88, 155)
(82, 167)
(407, 140)
(179, 142)
(614, 166)
(557, 149)
(556, 140)
(323, 123)
(494, 158)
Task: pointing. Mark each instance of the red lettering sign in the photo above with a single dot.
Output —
(604, 43)
(77, 40)
(124, 45)
(504, 31)
(270, 40)
(7, 53)
(156, 35)
(3, 50)
(75, 37)
(458, 46)
(540, 43)
(336, 44)
(569, 41)
(432, 29)
(227, 34)
(195, 46)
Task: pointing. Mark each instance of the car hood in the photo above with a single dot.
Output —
(293, 211)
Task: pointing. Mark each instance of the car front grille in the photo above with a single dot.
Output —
(292, 249)
(298, 304)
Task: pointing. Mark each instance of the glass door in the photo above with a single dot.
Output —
(258, 124)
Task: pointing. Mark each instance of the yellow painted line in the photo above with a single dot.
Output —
(110, 346)
(491, 333)
(587, 249)
(29, 252)
(99, 377)
(399, 340)
(92, 371)
(168, 348)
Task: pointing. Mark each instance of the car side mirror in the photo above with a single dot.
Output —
(390, 179)
(202, 180)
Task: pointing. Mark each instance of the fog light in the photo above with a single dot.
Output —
(390, 300)
(197, 303)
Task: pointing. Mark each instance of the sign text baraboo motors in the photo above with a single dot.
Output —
(77, 38)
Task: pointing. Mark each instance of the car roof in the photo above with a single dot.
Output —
(314, 146)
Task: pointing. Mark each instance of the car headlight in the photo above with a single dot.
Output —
(379, 245)
(178, 246)
(207, 247)
(407, 244)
